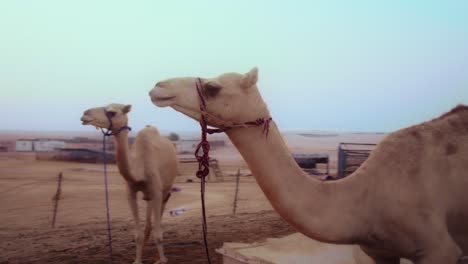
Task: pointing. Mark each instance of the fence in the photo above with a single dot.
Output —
(308, 162)
(351, 156)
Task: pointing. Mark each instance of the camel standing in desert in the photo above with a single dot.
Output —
(149, 166)
(408, 199)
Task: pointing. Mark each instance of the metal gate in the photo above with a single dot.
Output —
(351, 156)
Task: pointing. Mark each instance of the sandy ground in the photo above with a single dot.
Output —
(27, 187)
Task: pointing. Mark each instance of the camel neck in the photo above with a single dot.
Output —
(122, 155)
(325, 211)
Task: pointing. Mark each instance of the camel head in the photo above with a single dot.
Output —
(230, 97)
(97, 116)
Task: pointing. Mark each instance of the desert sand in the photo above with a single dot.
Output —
(27, 187)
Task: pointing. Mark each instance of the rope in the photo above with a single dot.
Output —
(203, 169)
(105, 134)
(109, 233)
(204, 146)
(109, 131)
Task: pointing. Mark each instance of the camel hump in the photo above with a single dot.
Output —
(457, 109)
(149, 131)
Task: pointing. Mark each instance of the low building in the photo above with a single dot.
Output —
(308, 162)
(190, 145)
(38, 145)
(46, 145)
(84, 155)
(24, 145)
(186, 146)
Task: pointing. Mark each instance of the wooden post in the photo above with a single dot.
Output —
(56, 198)
(328, 166)
(237, 192)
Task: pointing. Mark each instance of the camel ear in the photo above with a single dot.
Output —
(126, 108)
(111, 108)
(250, 78)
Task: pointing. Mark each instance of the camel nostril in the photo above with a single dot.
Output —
(161, 84)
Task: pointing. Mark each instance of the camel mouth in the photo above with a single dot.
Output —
(162, 101)
(86, 121)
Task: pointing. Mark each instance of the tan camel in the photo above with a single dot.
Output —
(149, 166)
(409, 199)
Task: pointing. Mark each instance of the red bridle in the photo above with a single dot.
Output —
(203, 159)
(204, 145)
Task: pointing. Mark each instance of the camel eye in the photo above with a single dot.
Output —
(211, 89)
(111, 114)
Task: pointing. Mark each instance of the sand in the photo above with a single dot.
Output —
(27, 187)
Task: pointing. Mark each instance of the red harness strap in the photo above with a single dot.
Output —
(204, 146)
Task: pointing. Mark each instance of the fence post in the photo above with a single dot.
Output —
(56, 198)
(237, 192)
(341, 164)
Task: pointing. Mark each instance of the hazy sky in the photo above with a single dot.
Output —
(341, 65)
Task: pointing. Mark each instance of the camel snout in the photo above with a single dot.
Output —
(85, 119)
(150, 93)
(153, 94)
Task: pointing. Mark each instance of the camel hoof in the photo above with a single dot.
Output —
(137, 262)
(161, 262)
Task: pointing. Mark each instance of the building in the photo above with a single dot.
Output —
(46, 145)
(308, 162)
(84, 155)
(24, 145)
(190, 145)
(186, 146)
(38, 145)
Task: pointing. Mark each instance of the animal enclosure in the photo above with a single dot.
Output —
(308, 162)
(351, 156)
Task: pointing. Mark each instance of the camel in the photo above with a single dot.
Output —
(407, 200)
(149, 166)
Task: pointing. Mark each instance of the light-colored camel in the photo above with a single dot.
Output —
(409, 199)
(149, 166)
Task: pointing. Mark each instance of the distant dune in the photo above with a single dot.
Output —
(318, 135)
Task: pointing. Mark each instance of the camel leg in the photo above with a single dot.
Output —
(132, 201)
(379, 256)
(378, 260)
(164, 203)
(463, 260)
(440, 250)
(157, 230)
(148, 226)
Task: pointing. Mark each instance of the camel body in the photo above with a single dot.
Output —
(151, 158)
(408, 199)
(148, 166)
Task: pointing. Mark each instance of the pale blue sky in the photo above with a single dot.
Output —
(340, 65)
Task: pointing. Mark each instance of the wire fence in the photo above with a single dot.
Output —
(51, 201)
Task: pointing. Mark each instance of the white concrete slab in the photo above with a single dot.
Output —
(293, 249)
